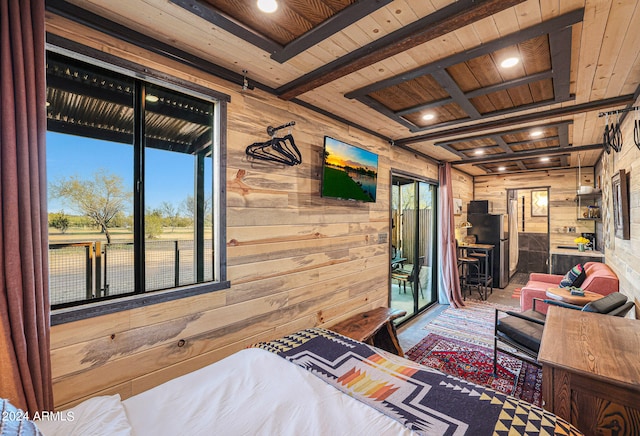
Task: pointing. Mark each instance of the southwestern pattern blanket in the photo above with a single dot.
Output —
(422, 398)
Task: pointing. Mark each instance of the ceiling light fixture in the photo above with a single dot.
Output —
(536, 133)
(545, 159)
(502, 168)
(509, 62)
(428, 117)
(268, 6)
(151, 98)
(479, 152)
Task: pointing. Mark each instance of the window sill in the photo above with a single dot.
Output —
(91, 310)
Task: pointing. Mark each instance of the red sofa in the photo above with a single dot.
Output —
(600, 278)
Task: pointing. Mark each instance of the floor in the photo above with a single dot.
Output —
(412, 331)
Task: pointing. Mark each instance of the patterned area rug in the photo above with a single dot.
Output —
(472, 323)
(475, 364)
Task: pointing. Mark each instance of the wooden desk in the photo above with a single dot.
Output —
(591, 371)
(564, 295)
(374, 327)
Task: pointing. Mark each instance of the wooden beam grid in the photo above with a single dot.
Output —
(279, 52)
(558, 29)
(439, 23)
(529, 154)
(507, 132)
(521, 119)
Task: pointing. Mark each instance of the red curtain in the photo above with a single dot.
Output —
(25, 375)
(450, 277)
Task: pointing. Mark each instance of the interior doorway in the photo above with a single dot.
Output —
(528, 210)
(413, 243)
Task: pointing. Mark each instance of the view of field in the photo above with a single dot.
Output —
(83, 266)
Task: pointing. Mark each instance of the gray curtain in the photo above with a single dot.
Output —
(25, 375)
(450, 282)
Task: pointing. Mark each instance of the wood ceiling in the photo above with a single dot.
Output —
(383, 65)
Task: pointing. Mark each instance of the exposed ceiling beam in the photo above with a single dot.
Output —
(550, 151)
(558, 124)
(536, 116)
(448, 84)
(439, 23)
(280, 53)
(546, 27)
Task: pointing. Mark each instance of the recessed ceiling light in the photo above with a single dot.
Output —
(479, 152)
(151, 98)
(502, 168)
(509, 62)
(545, 159)
(268, 6)
(536, 133)
(428, 117)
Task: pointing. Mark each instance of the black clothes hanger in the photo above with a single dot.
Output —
(281, 150)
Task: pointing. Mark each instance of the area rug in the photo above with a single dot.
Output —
(475, 364)
(472, 323)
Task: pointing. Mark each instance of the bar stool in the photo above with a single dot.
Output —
(468, 268)
(484, 278)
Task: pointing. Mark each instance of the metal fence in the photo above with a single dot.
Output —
(88, 270)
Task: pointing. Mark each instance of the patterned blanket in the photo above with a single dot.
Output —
(423, 399)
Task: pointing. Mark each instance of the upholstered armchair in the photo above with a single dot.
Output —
(599, 278)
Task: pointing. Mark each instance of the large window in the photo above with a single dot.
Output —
(133, 171)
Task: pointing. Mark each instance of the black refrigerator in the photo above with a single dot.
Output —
(493, 229)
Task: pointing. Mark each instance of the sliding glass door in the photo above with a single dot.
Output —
(413, 261)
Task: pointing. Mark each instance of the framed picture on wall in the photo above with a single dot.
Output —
(620, 194)
(539, 202)
(457, 206)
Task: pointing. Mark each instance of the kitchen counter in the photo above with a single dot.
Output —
(575, 252)
(563, 259)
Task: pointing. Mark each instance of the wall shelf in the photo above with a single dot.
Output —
(584, 201)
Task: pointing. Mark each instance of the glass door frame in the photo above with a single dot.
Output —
(432, 292)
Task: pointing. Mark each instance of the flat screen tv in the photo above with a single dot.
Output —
(348, 172)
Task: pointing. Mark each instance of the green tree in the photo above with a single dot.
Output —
(100, 199)
(59, 221)
(153, 224)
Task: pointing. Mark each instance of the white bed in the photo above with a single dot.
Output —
(313, 382)
(238, 395)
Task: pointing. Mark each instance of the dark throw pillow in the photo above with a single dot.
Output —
(574, 277)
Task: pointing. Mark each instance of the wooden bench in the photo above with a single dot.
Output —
(374, 327)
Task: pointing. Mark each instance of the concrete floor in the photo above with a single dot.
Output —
(412, 331)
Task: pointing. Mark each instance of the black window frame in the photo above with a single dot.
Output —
(143, 74)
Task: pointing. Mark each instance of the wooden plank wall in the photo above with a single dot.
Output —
(562, 185)
(623, 256)
(462, 186)
(295, 260)
(531, 224)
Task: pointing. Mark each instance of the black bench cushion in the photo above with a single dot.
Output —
(524, 332)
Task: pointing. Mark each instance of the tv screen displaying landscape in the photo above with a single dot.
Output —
(349, 172)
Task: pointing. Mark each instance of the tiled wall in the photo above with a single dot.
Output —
(533, 252)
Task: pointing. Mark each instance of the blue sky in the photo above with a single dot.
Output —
(350, 153)
(171, 177)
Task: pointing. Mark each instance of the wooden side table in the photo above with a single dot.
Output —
(374, 327)
(564, 295)
(591, 371)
